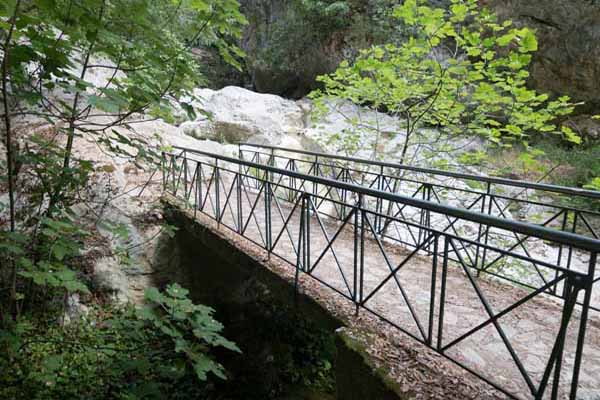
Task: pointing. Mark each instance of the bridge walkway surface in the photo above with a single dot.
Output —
(332, 242)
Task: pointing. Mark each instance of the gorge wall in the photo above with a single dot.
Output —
(568, 60)
(290, 43)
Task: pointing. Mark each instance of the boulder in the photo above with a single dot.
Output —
(110, 276)
(586, 126)
(238, 114)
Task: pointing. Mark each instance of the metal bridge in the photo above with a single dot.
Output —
(496, 275)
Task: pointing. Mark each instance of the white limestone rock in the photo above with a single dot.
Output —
(237, 114)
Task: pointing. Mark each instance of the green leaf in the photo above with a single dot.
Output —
(570, 135)
(153, 294)
(594, 184)
(104, 104)
(528, 41)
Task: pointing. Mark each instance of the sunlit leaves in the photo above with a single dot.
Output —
(570, 135)
(459, 71)
(528, 41)
(594, 184)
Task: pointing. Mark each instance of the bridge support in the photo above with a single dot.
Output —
(224, 278)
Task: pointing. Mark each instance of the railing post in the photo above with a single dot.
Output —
(217, 192)
(486, 235)
(362, 248)
(480, 229)
(238, 193)
(355, 297)
(303, 223)
(239, 187)
(588, 286)
(292, 191)
(560, 247)
(425, 217)
(267, 196)
(316, 172)
(440, 334)
(185, 176)
(197, 191)
(573, 229)
(300, 258)
(307, 230)
(432, 289)
(379, 205)
(163, 167)
(345, 174)
(174, 169)
(271, 162)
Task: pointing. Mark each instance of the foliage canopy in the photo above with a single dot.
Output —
(459, 71)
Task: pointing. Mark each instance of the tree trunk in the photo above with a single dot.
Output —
(10, 159)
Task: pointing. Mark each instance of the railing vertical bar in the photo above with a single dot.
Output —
(317, 173)
(308, 212)
(559, 356)
(355, 295)
(480, 229)
(197, 194)
(300, 256)
(362, 246)
(573, 229)
(379, 204)
(185, 175)
(240, 218)
(163, 167)
(486, 235)
(432, 290)
(560, 247)
(443, 294)
(583, 324)
(217, 177)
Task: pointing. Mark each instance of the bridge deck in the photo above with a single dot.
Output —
(447, 288)
(531, 328)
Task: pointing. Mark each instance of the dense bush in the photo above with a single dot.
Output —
(162, 350)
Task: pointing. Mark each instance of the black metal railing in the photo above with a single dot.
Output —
(356, 255)
(567, 209)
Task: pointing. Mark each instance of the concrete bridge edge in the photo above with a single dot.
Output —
(357, 376)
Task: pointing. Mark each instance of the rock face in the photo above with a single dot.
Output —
(242, 116)
(121, 194)
(289, 42)
(282, 61)
(568, 60)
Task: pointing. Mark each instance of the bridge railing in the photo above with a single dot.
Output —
(557, 207)
(332, 231)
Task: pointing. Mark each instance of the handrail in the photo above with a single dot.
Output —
(525, 228)
(215, 185)
(593, 194)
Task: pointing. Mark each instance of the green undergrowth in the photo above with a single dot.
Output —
(163, 350)
(168, 350)
(547, 161)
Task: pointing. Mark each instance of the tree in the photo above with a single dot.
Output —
(459, 71)
(49, 49)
